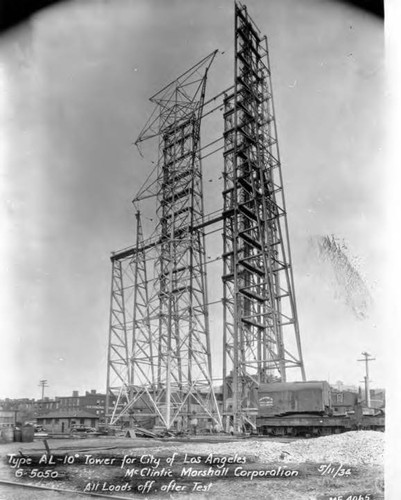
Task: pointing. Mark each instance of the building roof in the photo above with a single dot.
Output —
(68, 414)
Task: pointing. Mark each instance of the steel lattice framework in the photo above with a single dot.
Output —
(159, 358)
(159, 346)
(259, 301)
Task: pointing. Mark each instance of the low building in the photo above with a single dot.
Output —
(23, 409)
(343, 401)
(28, 409)
(7, 418)
(62, 421)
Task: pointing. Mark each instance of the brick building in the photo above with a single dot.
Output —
(29, 409)
(92, 401)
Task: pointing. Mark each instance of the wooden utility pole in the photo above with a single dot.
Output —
(367, 390)
(43, 384)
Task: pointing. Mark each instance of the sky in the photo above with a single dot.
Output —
(74, 87)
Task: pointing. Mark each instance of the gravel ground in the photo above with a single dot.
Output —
(353, 448)
(360, 450)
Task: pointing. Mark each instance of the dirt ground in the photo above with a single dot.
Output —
(198, 468)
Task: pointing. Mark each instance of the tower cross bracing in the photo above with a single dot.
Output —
(159, 361)
(169, 360)
(259, 300)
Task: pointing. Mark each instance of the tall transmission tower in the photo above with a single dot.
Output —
(260, 312)
(159, 357)
(159, 345)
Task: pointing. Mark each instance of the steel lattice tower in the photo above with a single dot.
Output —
(260, 317)
(159, 346)
(159, 358)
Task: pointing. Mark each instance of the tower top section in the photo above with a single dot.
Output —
(178, 101)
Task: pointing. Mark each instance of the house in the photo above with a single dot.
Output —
(62, 421)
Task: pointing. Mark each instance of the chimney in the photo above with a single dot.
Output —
(75, 394)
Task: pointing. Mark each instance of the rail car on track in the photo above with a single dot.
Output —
(311, 409)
